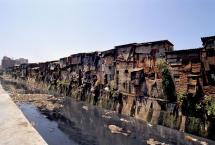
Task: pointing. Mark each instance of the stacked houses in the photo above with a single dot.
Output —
(127, 78)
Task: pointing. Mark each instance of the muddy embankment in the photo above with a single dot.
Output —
(21, 93)
(90, 125)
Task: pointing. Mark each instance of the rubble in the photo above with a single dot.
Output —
(124, 120)
(151, 141)
(107, 117)
(85, 108)
(117, 130)
(192, 139)
(45, 102)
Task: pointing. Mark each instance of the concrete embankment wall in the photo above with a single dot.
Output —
(15, 129)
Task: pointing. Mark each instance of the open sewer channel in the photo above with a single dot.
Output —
(47, 128)
(79, 124)
(92, 126)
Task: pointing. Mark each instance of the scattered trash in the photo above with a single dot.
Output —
(117, 130)
(150, 125)
(108, 112)
(203, 143)
(190, 138)
(105, 116)
(151, 141)
(124, 120)
(85, 108)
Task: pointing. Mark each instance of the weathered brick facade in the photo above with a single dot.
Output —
(128, 78)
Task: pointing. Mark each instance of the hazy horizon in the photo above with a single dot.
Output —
(45, 30)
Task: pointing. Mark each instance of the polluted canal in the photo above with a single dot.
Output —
(64, 121)
(47, 128)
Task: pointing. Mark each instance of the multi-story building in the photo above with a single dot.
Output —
(21, 61)
(208, 59)
(7, 62)
(186, 69)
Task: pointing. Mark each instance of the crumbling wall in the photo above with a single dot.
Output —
(127, 79)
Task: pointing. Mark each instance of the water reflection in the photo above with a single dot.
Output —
(93, 123)
(89, 126)
(48, 129)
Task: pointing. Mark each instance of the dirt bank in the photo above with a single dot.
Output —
(46, 103)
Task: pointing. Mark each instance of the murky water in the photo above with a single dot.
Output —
(48, 129)
(89, 126)
(92, 123)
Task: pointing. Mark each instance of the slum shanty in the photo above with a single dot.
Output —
(139, 79)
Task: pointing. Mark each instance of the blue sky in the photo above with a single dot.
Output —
(42, 30)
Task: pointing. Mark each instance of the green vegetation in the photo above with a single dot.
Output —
(209, 105)
(167, 82)
(196, 126)
(180, 98)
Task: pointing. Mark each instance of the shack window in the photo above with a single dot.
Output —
(111, 77)
(105, 79)
(137, 75)
(210, 52)
(133, 75)
(152, 76)
(126, 71)
(211, 75)
(124, 85)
